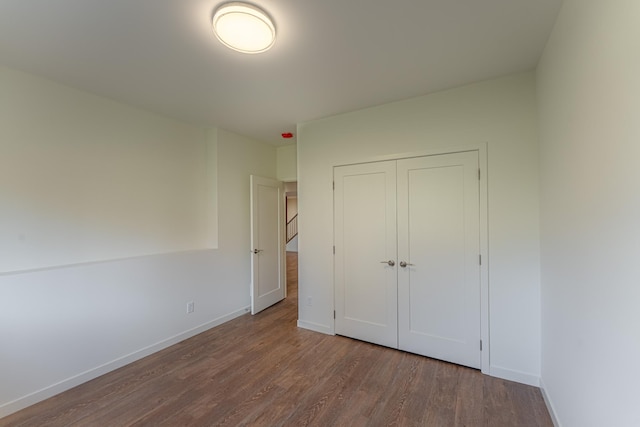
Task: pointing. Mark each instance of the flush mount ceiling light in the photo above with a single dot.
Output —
(244, 27)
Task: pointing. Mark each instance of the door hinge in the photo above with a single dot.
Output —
(478, 174)
(480, 259)
(334, 314)
(334, 250)
(334, 185)
(480, 345)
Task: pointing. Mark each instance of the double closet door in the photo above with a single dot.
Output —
(407, 267)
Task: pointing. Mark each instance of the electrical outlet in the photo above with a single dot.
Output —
(309, 301)
(190, 307)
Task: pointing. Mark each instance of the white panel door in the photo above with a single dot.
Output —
(438, 239)
(365, 252)
(267, 243)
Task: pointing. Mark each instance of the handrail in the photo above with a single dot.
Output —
(292, 228)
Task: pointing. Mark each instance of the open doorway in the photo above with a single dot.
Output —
(291, 217)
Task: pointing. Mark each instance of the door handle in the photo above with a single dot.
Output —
(256, 251)
(404, 264)
(391, 262)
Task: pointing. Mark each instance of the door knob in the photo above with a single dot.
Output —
(257, 251)
(404, 264)
(390, 262)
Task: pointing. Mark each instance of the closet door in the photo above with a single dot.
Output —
(365, 252)
(438, 239)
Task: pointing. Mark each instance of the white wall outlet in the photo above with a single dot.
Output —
(309, 301)
(190, 307)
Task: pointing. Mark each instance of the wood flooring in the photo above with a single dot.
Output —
(264, 371)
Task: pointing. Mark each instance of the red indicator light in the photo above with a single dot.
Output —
(287, 135)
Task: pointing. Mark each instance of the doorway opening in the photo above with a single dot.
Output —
(291, 218)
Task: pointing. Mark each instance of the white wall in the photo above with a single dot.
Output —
(589, 99)
(287, 163)
(64, 325)
(83, 178)
(291, 188)
(500, 112)
(239, 157)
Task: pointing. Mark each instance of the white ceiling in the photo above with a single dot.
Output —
(330, 56)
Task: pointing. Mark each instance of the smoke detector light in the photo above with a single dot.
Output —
(244, 27)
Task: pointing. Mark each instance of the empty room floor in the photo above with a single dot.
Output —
(264, 371)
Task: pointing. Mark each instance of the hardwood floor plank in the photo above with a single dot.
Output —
(264, 371)
(469, 399)
(387, 412)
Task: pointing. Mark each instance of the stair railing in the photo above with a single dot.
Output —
(292, 228)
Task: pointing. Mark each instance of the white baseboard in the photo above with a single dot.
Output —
(316, 327)
(64, 385)
(513, 375)
(550, 407)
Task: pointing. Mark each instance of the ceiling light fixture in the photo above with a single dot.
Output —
(244, 27)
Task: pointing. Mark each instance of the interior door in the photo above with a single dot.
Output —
(267, 243)
(438, 257)
(407, 245)
(365, 252)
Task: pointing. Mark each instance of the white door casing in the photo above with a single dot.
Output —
(267, 243)
(423, 211)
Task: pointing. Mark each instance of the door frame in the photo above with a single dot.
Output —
(482, 149)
